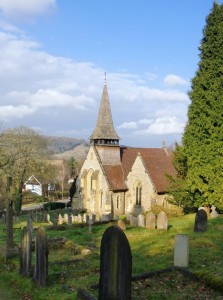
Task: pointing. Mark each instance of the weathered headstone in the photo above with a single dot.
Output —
(133, 221)
(48, 218)
(200, 224)
(79, 218)
(65, 218)
(150, 220)
(41, 259)
(60, 220)
(213, 213)
(26, 252)
(141, 220)
(69, 221)
(87, 218)
(115, 266)
(55, 220)
(181, 251)
(84, 218)
(162, 221)
(93, 218)
(121, 224)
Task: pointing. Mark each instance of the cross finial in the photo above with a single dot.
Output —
(105, 77)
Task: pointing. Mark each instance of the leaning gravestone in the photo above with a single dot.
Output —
(181, 251)
(150, 220)
(41, 260)
(200, 224)
(115, 266)
(162, 221)
(26, 252)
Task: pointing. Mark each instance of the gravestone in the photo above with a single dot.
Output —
(87, 218)
(150, 220)
(93, 218)
(121, 224)
(79, 218)
(162, 221)
(181, 251)
(60, 220)
(26, 252)
(41, 259)
(55, 220)
(200, 224)
(11, 250)
(213, 213)
(141, 221)
(115, 266)
(65, 218)
(48, 218)
(84, 218)
(69, 220)
(133, 221)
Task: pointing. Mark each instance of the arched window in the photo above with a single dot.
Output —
(138, 193)
(117, 203)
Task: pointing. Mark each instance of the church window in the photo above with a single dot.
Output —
(117, 202)
(138, 194)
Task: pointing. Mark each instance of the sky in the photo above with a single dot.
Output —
(54, 55)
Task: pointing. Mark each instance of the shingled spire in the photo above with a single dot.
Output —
(104, 133)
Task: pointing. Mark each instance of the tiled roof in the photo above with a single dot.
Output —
(115, 177)
(157, 162)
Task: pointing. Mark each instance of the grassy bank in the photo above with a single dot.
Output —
(74, 261)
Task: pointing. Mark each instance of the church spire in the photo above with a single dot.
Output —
(104, 133)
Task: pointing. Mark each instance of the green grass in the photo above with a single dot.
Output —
(151, 250)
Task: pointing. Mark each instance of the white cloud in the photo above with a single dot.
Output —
(40, 89)
(26, 8)
(174, 80)
(161, 126)
(20, 111)
(128, 125)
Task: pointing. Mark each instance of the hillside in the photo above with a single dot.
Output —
(63, 148)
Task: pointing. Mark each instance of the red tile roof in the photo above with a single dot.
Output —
(157, 162)
(115, 177)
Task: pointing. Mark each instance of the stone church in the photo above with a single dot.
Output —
(117, 179)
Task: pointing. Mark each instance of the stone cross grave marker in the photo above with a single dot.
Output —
(150, 220)
(200, 224)
(162, 221)
(181, 251)
(115, 266)
(26, 252)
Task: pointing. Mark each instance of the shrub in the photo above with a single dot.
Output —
(171, 211)
(53, 205)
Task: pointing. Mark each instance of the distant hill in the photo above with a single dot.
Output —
(64, 147)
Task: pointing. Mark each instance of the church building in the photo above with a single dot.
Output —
(117, 179)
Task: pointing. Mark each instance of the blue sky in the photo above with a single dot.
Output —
(53, 55)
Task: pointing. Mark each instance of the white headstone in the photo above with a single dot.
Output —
(181, 251)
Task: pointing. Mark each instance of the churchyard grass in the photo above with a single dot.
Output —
(74, 259)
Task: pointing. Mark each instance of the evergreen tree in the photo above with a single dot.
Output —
(199, 161)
